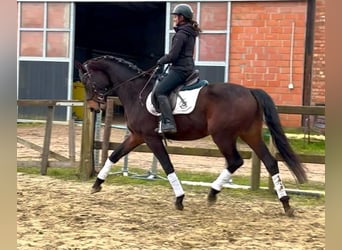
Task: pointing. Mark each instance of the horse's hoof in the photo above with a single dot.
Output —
(179, 202)
(212, 198)
(95, 189)
(289, 212)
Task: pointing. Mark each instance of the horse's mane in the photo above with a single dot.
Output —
(130, 65)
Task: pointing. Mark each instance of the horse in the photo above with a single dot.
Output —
(225, 111)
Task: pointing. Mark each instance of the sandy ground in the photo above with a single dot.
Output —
(55, 214)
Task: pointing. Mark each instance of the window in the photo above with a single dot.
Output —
(44, 29)
(211, 52)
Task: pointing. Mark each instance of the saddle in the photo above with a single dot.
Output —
(192, 82)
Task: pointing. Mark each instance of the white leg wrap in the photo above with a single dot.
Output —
(176, 185)
(105, 170)
(223, 178)
(279, 186)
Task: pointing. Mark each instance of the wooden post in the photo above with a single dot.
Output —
(72, 140)
(107, 129)
(256, 163)
(273, 150)
(255, 178)
(47, 140)
(86, 168)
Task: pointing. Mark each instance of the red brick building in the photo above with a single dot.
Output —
(274, 45)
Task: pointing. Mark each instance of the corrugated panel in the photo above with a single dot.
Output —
(42, 80)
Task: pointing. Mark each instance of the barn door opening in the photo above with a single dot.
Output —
(134, 31)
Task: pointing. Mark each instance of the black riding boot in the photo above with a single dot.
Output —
(168, 123)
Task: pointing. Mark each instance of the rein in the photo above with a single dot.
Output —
(148, 81)
(101, 96)
(154, 69)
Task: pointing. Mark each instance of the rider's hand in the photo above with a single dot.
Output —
(159, 63)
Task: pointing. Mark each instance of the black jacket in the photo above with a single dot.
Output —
(181, 53)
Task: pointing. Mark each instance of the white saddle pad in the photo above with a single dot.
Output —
(184, 105)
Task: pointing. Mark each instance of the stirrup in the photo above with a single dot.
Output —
(170, 130)
(161, 132)
(158, 129)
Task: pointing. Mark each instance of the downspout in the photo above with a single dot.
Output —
(291, 86)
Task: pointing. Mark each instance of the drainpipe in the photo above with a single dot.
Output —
(291, 86)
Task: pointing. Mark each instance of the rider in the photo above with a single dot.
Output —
(182, 64)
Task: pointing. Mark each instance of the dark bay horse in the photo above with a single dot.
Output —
(225, 111)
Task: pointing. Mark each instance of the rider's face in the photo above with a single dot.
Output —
(177, 19)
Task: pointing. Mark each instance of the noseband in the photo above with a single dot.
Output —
(92, 92)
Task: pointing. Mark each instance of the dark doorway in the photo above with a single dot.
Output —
(134, 31)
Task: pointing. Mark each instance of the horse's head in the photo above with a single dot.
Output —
(97, 85)
(105, 75)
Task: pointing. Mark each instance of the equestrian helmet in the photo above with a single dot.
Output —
(184, 10)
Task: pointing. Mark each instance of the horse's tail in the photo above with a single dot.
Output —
(279, 138)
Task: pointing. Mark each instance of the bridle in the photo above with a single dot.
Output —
(100, 97)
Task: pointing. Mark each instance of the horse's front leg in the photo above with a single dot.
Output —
(157, 147)
(124, 148)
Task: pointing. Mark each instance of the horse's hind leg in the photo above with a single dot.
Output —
(271, 164)
(233, 159)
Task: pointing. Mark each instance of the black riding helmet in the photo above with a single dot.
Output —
(184, 10)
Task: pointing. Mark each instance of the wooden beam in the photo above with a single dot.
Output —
(177, 150)
(48, 102)
(285, 109)
(59, 164)
(318, 159)
(301, 110)
(38, 148)
(47, 140)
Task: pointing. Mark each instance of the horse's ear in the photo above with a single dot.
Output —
(80, 66)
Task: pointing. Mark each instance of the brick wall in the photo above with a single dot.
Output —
(260, 52)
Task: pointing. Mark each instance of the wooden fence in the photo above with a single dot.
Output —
(45, 150)
(89, 144)
(106, 145)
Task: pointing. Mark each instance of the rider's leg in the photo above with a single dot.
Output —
(162, 91)
(168, 122)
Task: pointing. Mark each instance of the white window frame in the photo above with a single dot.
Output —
(69, 59)
(198, 62)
